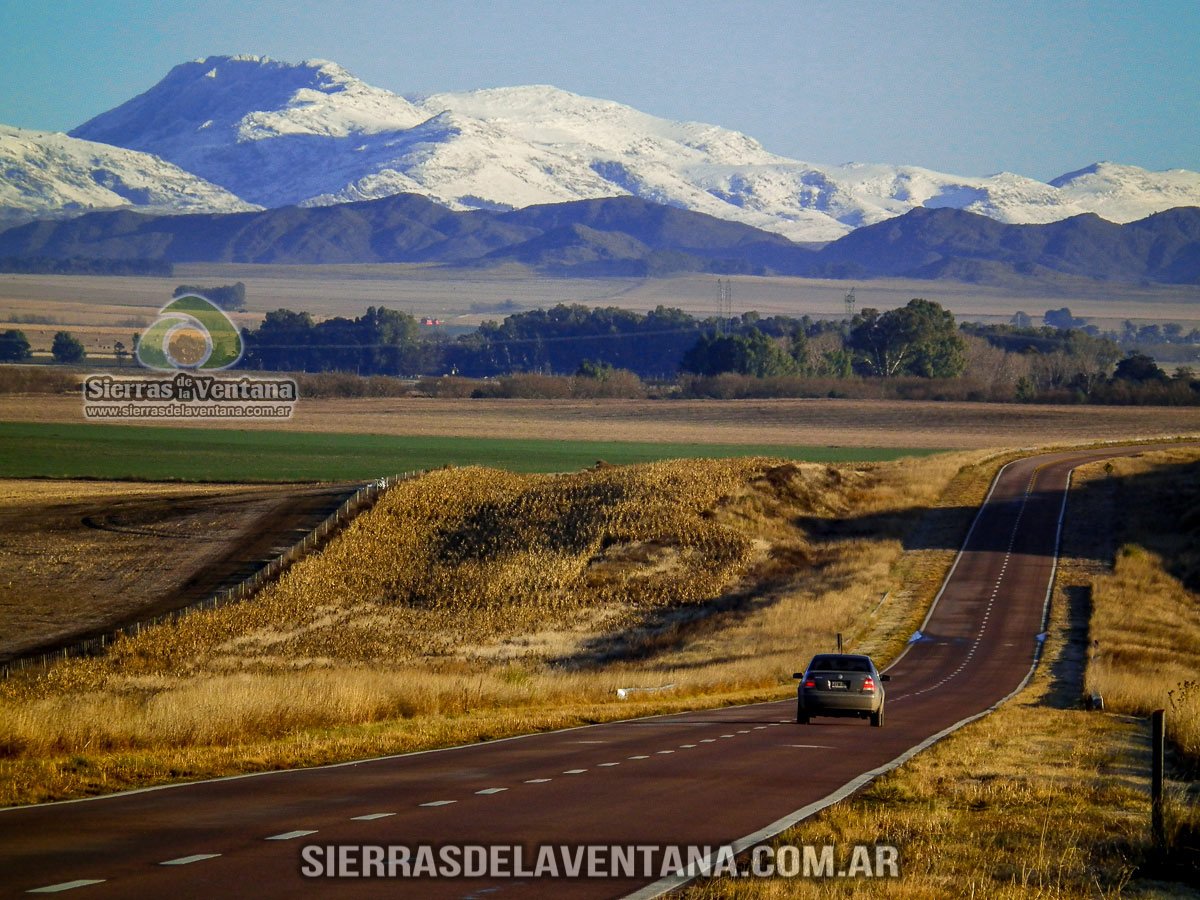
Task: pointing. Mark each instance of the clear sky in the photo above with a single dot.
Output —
(970, 88)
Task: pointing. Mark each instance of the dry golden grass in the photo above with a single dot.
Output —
(523, 601)
(1145, 623)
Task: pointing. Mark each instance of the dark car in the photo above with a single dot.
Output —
(840, 684)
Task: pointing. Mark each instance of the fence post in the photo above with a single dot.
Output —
(1158, 732)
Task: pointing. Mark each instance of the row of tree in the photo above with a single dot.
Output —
(81, 265)
(920, 341)
(66, 348)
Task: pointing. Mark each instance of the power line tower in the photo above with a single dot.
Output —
(725, 302)
(850, 305)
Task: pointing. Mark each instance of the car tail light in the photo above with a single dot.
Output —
(810, 682)
(869, 685)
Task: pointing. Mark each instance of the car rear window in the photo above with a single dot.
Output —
(840, 664)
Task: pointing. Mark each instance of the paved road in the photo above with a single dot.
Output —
(705, 778)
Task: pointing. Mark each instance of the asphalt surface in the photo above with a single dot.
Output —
(705, 778)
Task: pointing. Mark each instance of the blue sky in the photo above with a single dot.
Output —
(971, 88)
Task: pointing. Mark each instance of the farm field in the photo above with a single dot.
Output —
(836, 424)
(105, 309)
(39, 450)
(85, 556)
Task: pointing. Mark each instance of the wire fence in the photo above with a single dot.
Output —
(362, 500)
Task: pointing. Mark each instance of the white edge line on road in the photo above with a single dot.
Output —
(670, 882)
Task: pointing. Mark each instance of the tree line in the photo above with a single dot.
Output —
(918, 343)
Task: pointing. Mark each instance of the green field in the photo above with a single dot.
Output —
(193, 454)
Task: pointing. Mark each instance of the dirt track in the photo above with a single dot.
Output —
(80, 558)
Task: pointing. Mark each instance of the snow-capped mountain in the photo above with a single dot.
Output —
(45, 173)
(1127, 193)
(311, 133)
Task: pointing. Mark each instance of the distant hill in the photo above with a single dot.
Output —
(614, 236)
(631, 236)
(950, 243)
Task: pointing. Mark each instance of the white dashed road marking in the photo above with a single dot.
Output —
(438, 803)
(65, 886)
(289, 835)
(538, 780)
(491, 790)
(188, 860)
(574, 771)
(371, 818)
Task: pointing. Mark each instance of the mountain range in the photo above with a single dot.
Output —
(630, 236)
(232, 133)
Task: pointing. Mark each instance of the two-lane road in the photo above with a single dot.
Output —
(718, 777)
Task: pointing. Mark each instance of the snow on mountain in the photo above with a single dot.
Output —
(44, 172)
(1126, 193)
(311, 133)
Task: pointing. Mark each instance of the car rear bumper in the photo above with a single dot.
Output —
(830, 703)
